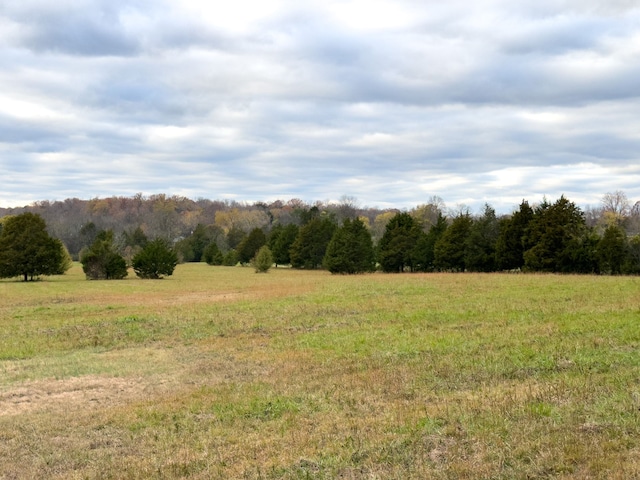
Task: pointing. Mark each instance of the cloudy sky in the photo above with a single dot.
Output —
(388, 101)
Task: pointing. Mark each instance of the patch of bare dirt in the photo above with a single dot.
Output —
(72, 393)
(199, 297)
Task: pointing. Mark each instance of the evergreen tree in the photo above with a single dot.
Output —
(631, 265)
(230, 258)
(309, 247)
(396, 247)
(510, 245)
(135, 238)
(263, 260)
(88, 233)
(280, 242)
(612, 250)
(155, 260)
(449, 250)
(235, 236)
(212, 254)
(192, 248)
(580, 254)
(350, 249)
(307, 214)
(554, 232)
(27, 250)
(133, 241)
(101, 261)
(251, 244)
(480, 244)
(424, 252)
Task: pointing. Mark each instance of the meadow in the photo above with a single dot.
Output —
(219, 372)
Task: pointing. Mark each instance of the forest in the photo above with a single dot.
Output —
(547, 236)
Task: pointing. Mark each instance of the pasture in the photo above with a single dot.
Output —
(218, 372)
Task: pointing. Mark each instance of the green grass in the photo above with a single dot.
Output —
(221, 373)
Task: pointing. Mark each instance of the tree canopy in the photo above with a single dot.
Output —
(554, 233)
(396, 247)
(309, 247)
(27, 250)
(280, 241)
(350, 249)
(450, 248)
(548, 236)
(250, 245)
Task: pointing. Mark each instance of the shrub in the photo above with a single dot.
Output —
(102, 261)
(155, 260)
(263, 260)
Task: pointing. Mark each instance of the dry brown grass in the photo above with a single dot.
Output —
(222, 373)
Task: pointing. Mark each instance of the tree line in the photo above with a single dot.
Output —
(343, 238)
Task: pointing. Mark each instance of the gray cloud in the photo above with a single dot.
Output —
(390, 102)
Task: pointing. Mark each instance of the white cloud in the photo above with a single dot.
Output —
(387, 101)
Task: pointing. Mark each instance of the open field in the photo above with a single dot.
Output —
(223, 373)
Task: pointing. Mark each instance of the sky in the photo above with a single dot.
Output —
(388, 102)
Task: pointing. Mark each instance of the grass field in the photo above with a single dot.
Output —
(223, 373)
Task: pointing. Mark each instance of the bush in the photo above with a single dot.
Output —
(101, 261)
(230, 259)
(263, 260)
(155, 260)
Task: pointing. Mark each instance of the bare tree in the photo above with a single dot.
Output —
(616, 202)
